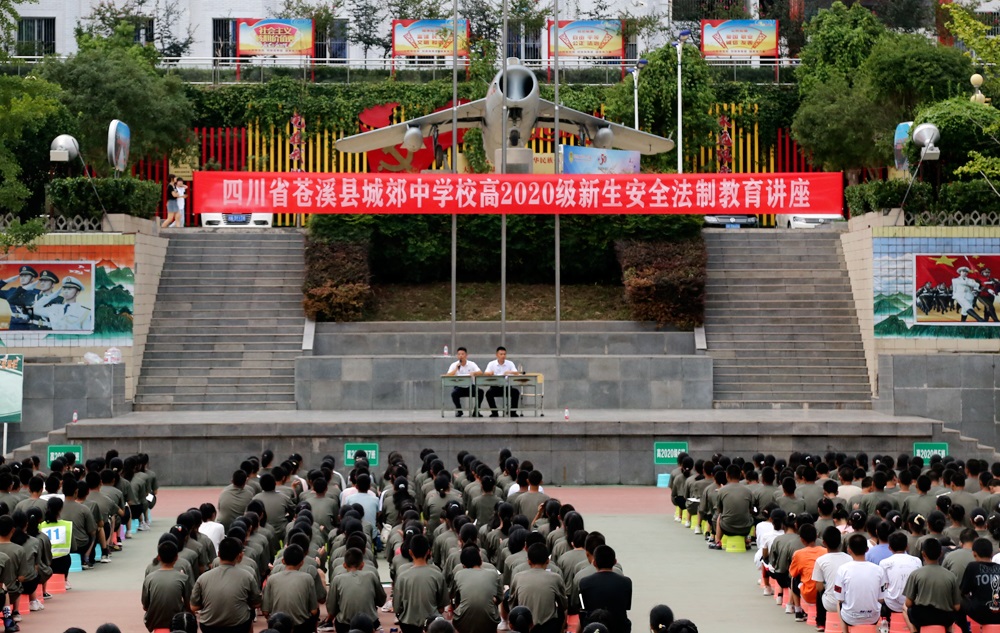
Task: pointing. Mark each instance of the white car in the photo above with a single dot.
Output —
(242, 220)
(792, 221)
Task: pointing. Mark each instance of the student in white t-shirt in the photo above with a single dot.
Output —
(464, 367)
(824, 572)
(898, 568)
(209, 526)
(859, 585)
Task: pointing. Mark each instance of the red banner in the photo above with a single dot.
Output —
(691, 194)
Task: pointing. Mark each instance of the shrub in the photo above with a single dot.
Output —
(337, 302)
(75, 197)
(665, 281)
(337, 284)
(965, 197)
(888, 194)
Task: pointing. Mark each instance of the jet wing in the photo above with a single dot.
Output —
(624, 137)
(469, 115)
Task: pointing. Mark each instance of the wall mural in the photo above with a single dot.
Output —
(936, 287)
(102, 314)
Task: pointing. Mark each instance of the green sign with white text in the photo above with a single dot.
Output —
(371, 449)
(665, 453)
(926, 450)
(58, 450)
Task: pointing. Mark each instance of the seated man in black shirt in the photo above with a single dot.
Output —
(607, 590)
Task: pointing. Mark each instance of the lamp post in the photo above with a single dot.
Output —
(681, 38)
(977, 82)
(639, 65)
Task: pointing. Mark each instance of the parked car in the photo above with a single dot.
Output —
(735, 221)
(792, 221)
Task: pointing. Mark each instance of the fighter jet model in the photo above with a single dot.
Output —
(526, 110)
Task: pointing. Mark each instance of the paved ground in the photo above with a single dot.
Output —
(667, 564)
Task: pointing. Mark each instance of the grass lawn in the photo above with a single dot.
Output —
(481, 302)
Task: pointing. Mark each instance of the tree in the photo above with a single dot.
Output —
(162, 15)
(28, 107)
(21, 235)
(839, 40)
(658, 99)
(365, 27)
(9, 18)
(841, 128)
(108, 80)
(969, 131)
(323, 16)
(905, 71)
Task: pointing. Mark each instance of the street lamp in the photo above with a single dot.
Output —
(639, 65)
(977, 82)
(681, 38)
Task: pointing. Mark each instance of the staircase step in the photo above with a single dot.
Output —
(856, 405)
(227, 323)
(800, 395)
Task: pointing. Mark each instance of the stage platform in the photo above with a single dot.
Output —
(592, 447)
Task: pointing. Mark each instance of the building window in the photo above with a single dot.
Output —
(333, 45)
(36, 36)
(223, 37)
(632, 47)
(524, 42)
(144, 31)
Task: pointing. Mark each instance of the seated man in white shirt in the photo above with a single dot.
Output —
(464, 367)
(502, 367)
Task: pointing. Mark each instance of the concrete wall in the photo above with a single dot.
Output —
(963, 390)
(581, 382)
(857, 245)
(618, 451)
(52, 392)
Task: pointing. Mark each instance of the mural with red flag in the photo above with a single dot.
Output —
(956, 289)
(397, 159)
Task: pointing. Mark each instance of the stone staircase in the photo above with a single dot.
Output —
(780, 321)
(228, 322)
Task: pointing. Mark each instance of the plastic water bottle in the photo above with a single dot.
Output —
(445, 350)
(75, 417)
(566, 414)
(883, 626)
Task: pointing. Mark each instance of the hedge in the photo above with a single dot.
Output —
(417, 248)
(75, 197)
(337, 286)
(665, 281)
(887, 194)
(953, 197)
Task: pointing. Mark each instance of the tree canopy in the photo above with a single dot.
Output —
(114, 79)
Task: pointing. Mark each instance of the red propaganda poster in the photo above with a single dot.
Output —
(683, 194)
(956, 289)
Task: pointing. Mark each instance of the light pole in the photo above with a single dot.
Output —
(977, 82)
(681, 38)
(639, 65)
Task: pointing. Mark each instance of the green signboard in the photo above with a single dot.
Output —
(11, 387)
(370, 448)
(665, 453)
(926, 450)
(58, 450)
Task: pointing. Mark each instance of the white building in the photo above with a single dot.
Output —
(47, 26)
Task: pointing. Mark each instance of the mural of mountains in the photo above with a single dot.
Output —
(886, 305)
(122, 276)
(893, 326)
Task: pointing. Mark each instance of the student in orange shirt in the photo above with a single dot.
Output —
(801, 570)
